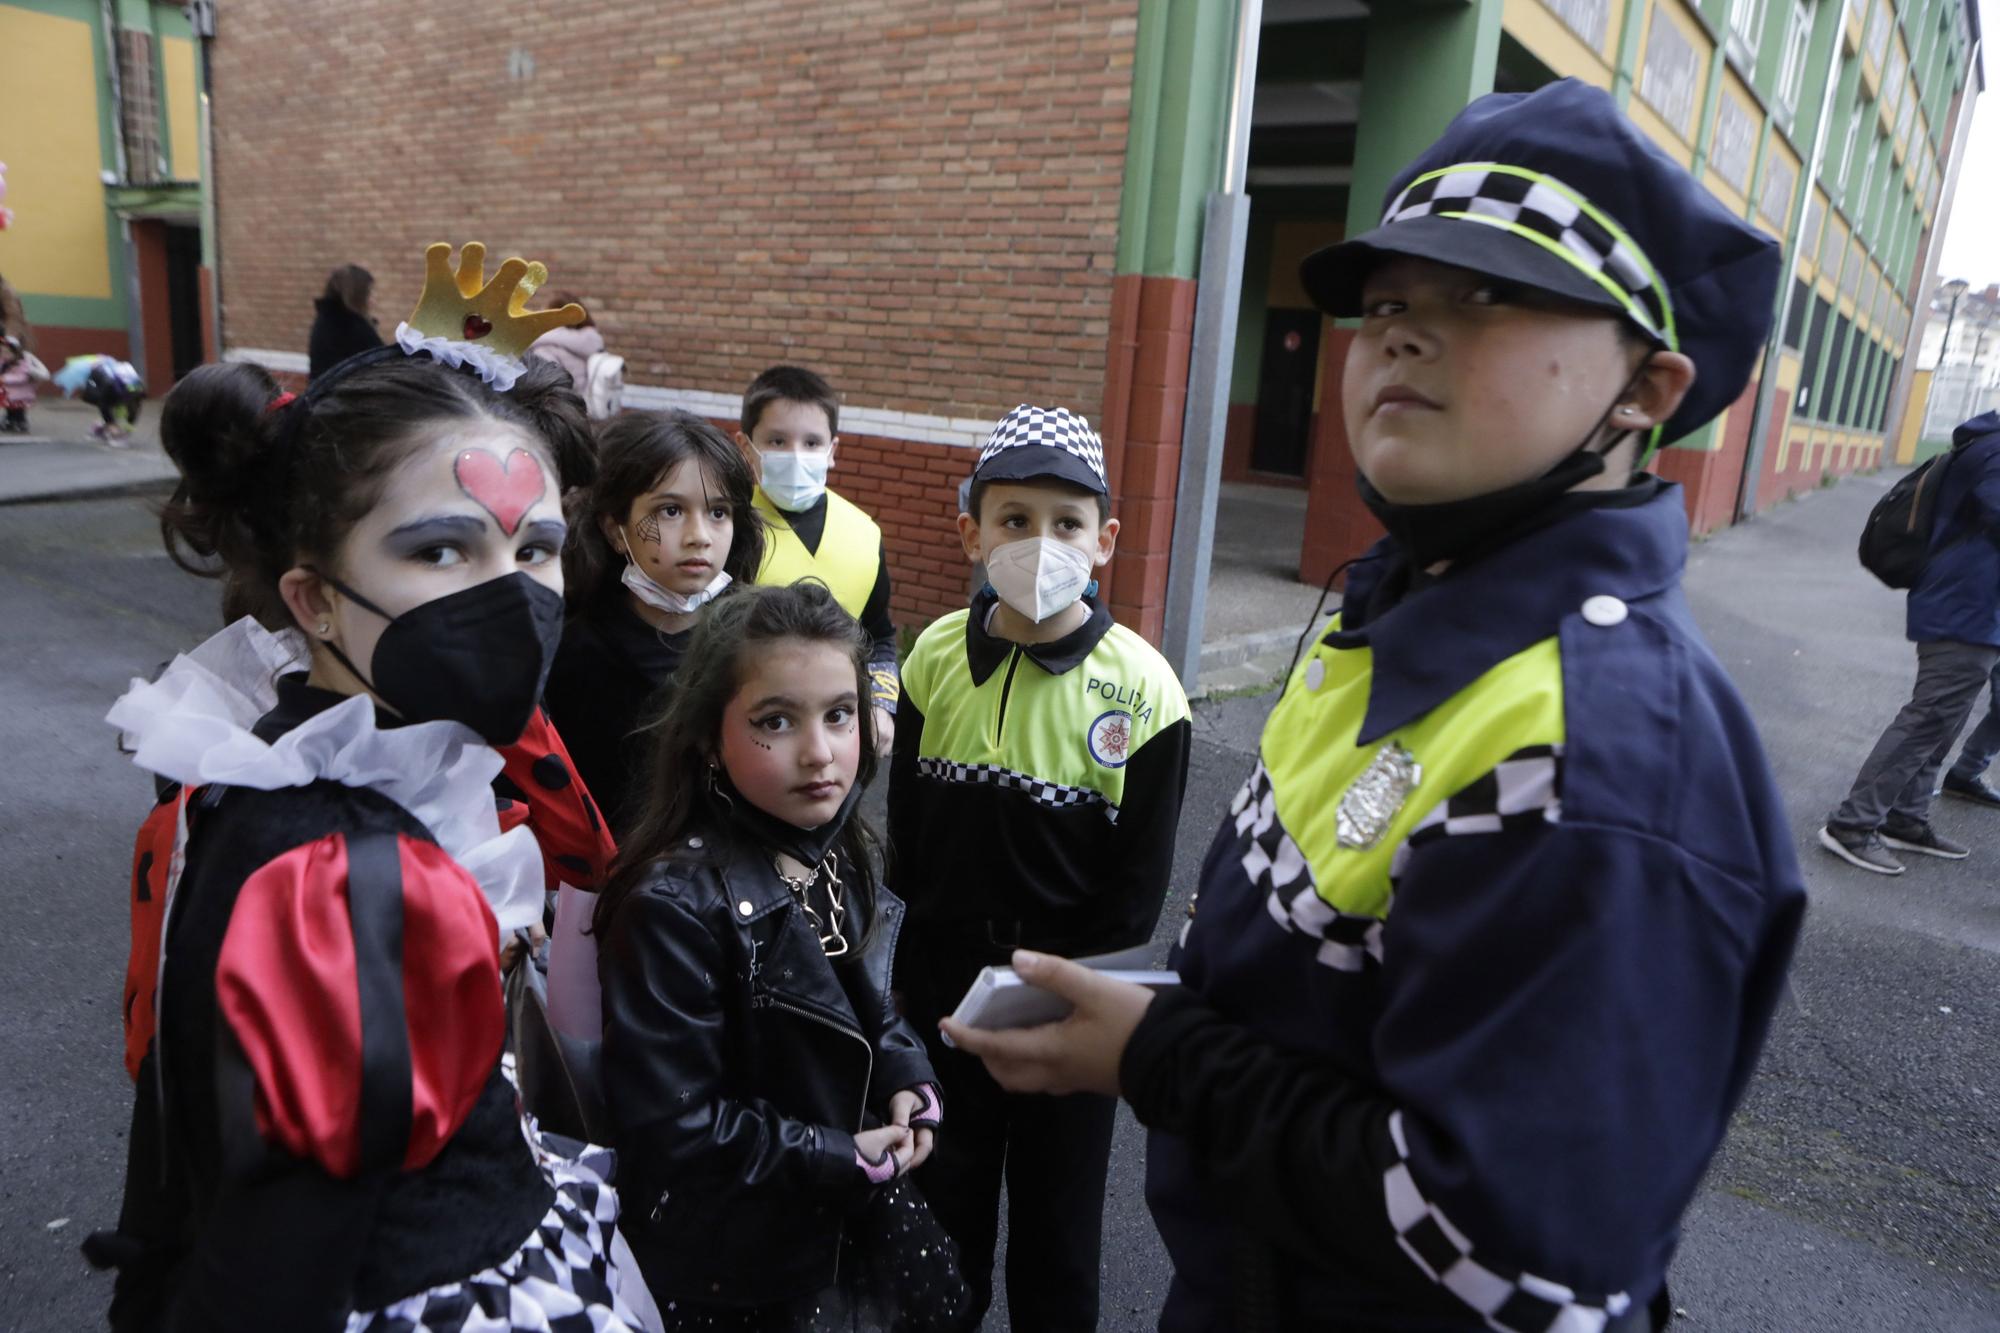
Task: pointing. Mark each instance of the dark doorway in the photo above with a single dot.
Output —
(1285, 392)
(184, 296)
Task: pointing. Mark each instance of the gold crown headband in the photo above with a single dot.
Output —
(462, 319)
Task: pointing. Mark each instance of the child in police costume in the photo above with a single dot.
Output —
(1033, 800)
(1486, 951)
(791, 428)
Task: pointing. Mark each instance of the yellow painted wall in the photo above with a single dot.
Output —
(183, 108)
(1913, 417)
(59, 244)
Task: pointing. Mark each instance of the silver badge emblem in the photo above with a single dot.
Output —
(1373, 798)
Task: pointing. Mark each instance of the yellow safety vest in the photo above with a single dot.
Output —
(848, 559)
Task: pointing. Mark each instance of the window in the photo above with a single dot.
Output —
(1746, 29)
(1735, 146)
(1588, 19)
(1857, 345)
(1672, 71)
(1815, 222)
(1795, 318)
(1879, 24)
(1853, 137)
(1792, 74)
(1809, 371)
(1780, 179)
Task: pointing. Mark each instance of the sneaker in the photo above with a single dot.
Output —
(1860, 847)
(1914, 835)
(1976, 790)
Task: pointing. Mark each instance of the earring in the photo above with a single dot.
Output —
(324, 629)
(715, 787)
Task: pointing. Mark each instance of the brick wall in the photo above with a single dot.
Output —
(919, 201)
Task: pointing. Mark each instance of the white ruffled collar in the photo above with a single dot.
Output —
(193, 726)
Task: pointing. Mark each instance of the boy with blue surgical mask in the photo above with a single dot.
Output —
(791, 424)
(1034, 796)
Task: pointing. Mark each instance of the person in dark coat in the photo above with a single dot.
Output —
(342, 325)
(1954, 619)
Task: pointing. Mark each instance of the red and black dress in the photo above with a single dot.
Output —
(324, 1136)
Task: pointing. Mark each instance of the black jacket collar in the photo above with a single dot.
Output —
(984, 652)
(299, 702)
(1434, 640)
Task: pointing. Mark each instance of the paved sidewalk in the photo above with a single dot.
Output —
(61, 460)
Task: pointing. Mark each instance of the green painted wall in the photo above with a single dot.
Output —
(1173, 151)
(1424, 64)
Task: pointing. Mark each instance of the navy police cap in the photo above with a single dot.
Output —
(1558, 190)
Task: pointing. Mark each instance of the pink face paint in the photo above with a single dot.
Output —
(505, 490)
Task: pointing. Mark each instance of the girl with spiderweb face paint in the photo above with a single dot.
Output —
(668, 527)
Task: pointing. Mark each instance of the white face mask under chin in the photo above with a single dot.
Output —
(793, 482)
(642, 586)
(1038, 577)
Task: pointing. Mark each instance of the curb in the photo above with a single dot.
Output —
(110, 490)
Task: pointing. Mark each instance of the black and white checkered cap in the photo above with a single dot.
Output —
(1043, 442)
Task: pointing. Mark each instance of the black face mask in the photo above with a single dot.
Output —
(479, 656)
(1459, 530)
(806, 846)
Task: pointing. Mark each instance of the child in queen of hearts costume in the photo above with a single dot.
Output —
(324, 1136)
(1485, 951)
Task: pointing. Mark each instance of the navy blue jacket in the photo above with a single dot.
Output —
(1488, 1107)
(1957, 596)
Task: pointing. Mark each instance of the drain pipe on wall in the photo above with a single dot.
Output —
(1211, 363)
(1774, 349)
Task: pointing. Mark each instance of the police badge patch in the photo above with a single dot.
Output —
(1373, 798)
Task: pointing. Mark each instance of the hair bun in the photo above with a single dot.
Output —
(217, 429)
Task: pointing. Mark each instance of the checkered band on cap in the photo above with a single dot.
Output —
(1055, 427)
(1543, 210)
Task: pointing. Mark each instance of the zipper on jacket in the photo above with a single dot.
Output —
(1006, 688)
(868, 1080)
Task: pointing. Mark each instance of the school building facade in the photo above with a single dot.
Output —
(103, 103)
(950, 209)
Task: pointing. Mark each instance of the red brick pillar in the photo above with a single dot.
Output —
(1338, 526)
(1145, 402)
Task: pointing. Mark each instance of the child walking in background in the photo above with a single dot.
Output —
(766, 1099)
(19, 369)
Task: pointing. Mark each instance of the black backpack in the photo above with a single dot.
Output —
(1896, 539)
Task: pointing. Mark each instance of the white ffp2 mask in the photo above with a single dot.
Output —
(648, 589)
(1038, 577)
(793, 481)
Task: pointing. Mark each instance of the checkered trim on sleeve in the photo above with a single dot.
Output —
(1521, 790)
(1274, 863)
(1544, 210)
(1055, 427)
(1511, 1300)
(1053, 794)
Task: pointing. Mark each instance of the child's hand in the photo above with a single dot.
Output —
(1078, 1054)
(883, 1154)
(885, 732)
(901, 1107)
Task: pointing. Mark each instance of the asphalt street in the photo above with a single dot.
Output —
(1860, 1188)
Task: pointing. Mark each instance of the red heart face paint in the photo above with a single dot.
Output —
(505, 490)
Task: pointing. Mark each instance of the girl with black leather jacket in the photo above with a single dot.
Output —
(765, 1097)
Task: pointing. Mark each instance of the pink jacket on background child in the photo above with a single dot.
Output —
(570, 348)
(20, 376)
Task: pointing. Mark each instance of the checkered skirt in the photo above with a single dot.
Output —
(561, 1280)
